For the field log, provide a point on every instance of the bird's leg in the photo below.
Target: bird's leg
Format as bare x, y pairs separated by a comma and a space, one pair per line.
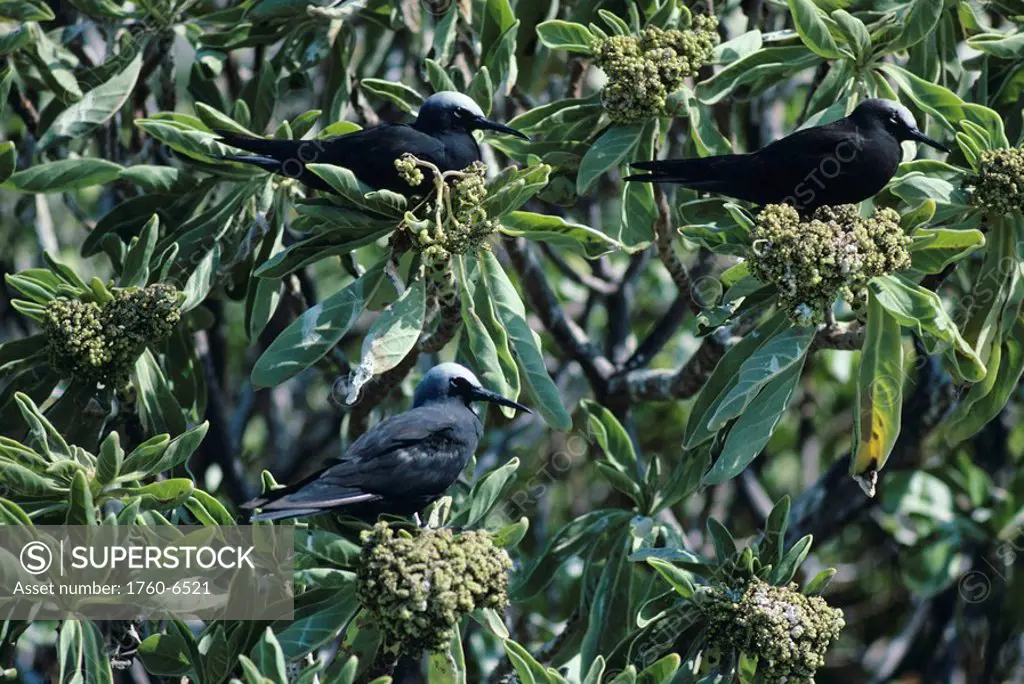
830, 320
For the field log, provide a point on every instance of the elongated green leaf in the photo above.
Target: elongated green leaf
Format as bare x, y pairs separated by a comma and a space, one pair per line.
566, 35
556, 230
407, 99
879, 394
810, 24
524, 343
82, 654
96, 106
395, 332
919, 22
751, 432
920, 309
486, 493
776, 355
607, 152
756, 72
63, 175
935, 248
316, 331
135, 272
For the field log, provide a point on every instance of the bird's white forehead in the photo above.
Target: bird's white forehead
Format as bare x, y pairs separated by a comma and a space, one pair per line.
449, 99
447, 371
889, 107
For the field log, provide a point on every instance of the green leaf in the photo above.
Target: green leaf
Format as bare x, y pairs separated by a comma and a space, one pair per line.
402, 96
771, 359
920, 309
25, 10
566, 35
45, 439
485, 494
879, 394
820, 581
268, 656
935, 248
1001, 45
556, 230
111, 456
790, 563
724, 378
755, 426
202, 280
612, 438
525, 346
165, 655
64, 175
607, 152
677, 577
501, 59
984, 400
8, 160
920, 21
158, 410
344, 182
661, 671
480, 344
526, 666
810, 24
395, 332
95, 108
304, 634
756, 72
82, 654
855, 32
135, 272
309, 337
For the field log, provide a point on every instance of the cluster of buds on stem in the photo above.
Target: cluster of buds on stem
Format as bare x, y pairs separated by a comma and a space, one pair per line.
644, 70
99, 343
418, 584
453, 220
998, 188
787, 631
835, 253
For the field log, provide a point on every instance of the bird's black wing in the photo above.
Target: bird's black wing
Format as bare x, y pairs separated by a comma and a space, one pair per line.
370, 154
416, 453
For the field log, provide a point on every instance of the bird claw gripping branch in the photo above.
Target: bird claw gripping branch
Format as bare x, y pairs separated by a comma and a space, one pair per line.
99, 343
644, 70
834, 253
418, 585
999, 186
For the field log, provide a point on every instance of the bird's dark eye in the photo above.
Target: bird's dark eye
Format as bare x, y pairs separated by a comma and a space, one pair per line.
894, 117
460, 384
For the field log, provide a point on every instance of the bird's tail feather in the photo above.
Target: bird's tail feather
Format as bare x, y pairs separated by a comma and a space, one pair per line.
695, 173
265, 163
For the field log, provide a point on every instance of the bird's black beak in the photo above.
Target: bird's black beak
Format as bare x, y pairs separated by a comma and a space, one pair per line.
917, 135
487, 125
481, 394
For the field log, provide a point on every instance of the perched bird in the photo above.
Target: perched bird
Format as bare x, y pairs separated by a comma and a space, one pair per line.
843, 162
403, 463
442, 135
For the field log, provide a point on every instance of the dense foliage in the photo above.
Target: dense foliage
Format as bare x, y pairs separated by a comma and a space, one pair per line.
765, 447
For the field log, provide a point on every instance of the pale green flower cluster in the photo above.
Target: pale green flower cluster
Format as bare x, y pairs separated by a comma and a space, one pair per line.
999, 186
788, 632
644, 70
417, 586
834, 253
100, 344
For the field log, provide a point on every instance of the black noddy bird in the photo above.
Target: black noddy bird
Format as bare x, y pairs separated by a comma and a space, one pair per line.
844, 162
403, 463
442, 135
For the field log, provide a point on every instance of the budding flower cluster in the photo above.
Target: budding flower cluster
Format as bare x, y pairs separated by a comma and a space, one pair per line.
100, 344
644, 70
408, 171
455, 221
417, 586
835, 253
999, 186
787, 631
